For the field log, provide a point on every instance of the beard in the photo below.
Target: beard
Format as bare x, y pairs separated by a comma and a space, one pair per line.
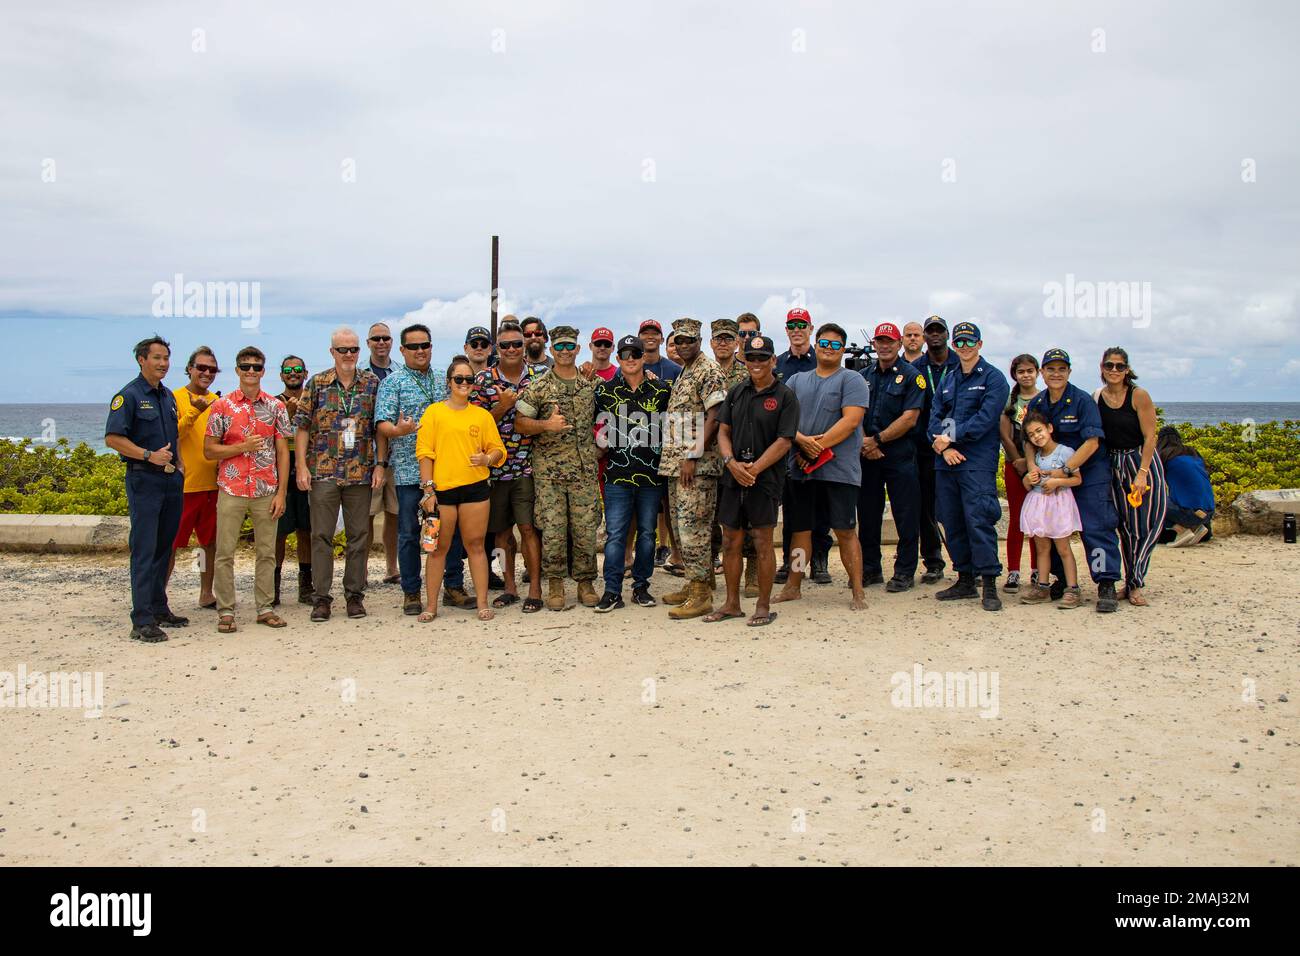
534, 352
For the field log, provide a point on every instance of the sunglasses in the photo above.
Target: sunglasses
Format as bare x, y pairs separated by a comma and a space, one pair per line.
748, 333
685, 340
796, 325
418, 346
565, 346
534, 335
250, 366
602, 344
463, 379
510, 345
381, 338
292, 369
347, 349
756, 357
833, 344
965, 343
479, 343
209, 369
629, 356
1114, 366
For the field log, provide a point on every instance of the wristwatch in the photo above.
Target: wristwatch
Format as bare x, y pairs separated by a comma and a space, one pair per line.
1069, 472
727, 460
381, 464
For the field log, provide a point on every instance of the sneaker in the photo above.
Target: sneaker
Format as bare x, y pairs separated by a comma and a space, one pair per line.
661, 557
149, 634
872, 577
321, 610
1071, 598
964, 588
1036, 594
609, 601
932, 575
641, 598
1013, 582
1057, 589
355, 607
1033, 578
1190, 536
1107, 602
171, 620
897, 583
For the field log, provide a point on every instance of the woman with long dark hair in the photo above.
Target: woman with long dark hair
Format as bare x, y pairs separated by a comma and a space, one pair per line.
1191, 496
1128, 416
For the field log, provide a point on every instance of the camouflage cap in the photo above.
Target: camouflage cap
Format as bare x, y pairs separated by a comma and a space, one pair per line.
687, 327
564, 333
725, 326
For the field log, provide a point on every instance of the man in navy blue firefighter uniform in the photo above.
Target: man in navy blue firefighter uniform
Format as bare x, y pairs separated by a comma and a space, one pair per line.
889, 460
1076, 422
936, 363
964, 433
142, 428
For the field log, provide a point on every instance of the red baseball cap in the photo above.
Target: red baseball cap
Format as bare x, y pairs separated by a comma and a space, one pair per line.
651, 324
888, 330
602, 334
798, 315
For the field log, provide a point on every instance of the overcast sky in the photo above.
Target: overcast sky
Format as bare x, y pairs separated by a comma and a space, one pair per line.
877, 161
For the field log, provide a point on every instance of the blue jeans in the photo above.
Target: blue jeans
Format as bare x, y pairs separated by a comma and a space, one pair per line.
410, 556
621, 503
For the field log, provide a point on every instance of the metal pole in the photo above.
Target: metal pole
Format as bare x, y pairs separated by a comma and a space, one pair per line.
495, 251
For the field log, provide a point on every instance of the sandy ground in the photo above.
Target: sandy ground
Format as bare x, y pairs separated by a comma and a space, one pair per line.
576, 738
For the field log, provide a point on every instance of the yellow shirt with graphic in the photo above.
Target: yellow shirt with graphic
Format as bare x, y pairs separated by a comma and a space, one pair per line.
192, 424
449, 436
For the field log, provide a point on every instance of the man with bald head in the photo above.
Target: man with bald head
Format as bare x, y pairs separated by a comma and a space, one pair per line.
913, 343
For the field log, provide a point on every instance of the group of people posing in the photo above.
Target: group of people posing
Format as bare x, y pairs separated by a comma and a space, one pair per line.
699, 454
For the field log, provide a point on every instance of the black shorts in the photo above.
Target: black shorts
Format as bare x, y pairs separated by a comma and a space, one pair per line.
746, 508
810, 503
297, 509
466, 494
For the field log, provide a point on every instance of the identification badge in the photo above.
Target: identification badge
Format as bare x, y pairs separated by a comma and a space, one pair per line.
349, 433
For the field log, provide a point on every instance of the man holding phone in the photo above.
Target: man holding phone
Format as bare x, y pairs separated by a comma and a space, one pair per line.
825, 464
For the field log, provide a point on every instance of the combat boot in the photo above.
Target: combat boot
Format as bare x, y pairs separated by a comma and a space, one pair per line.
699, 602
964, 588
305, 589
751, 578
679, 596
587, 594
555, 594
990, 600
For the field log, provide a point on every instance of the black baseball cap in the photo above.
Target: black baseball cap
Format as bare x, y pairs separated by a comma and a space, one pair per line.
478, 332
933, 321
630, 343
760, 346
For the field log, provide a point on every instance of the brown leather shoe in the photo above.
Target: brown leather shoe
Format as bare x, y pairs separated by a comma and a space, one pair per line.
321, 610
458, 597
355, 607
411, 604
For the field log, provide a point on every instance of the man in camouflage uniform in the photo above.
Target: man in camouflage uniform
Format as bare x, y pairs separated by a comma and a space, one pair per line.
559, 408
726, 339
691, 464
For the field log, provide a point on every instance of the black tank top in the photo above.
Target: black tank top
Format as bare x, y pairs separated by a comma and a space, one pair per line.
1122, 427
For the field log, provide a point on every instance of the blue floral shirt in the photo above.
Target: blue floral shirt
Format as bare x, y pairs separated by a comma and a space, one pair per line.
407, 394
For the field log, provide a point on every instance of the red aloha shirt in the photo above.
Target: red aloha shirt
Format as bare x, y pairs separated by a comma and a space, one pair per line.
235, 417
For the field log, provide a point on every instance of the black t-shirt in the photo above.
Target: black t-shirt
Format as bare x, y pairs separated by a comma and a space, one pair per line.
757, 419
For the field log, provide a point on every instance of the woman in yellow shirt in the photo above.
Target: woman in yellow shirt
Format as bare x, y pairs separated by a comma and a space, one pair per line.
457, 446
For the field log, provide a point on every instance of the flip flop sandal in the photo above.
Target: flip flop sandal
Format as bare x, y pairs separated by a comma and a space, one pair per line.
485, 614
427, 616
226, 624
676, 570
716, 616
504, 600
757, 621
209, 607
272, 620
532, 604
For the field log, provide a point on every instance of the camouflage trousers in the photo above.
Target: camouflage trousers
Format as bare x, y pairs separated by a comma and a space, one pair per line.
568, 511
691, 510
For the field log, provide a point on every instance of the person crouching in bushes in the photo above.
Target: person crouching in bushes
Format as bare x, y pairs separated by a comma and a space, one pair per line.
457, 445
1049, 514
1191, 496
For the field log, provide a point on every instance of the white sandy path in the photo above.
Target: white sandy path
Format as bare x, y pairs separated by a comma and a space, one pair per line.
538, 724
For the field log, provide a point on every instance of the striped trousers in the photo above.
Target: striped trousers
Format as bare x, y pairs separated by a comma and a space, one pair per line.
1139, 528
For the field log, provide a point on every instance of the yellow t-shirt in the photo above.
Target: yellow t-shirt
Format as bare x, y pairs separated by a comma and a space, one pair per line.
449, 437
200, 474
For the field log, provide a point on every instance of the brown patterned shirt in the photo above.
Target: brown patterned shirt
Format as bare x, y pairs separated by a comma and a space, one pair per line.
324, 410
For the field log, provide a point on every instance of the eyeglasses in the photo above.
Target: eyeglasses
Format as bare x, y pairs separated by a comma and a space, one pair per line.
792, 326
510, 345
833, 344
463, 379
565, 346
381, 338
250, 366
479, 343
209, 369
1115, 366
965, 343
724, 337
347, 349
602, 344
748, 333
534, 335
292, 369
418, 346
685, 340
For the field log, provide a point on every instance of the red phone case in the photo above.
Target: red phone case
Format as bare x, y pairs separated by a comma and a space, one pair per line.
822, 459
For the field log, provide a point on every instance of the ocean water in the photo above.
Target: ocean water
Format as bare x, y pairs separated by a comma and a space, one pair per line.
85, 423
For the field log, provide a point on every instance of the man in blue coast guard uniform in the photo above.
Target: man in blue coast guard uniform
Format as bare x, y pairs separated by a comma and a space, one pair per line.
964, 433
142, 428
1076, 423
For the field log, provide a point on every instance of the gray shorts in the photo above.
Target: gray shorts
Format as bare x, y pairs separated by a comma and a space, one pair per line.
512, 504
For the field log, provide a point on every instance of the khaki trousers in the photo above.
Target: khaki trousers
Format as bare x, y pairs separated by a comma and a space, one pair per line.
230, 518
